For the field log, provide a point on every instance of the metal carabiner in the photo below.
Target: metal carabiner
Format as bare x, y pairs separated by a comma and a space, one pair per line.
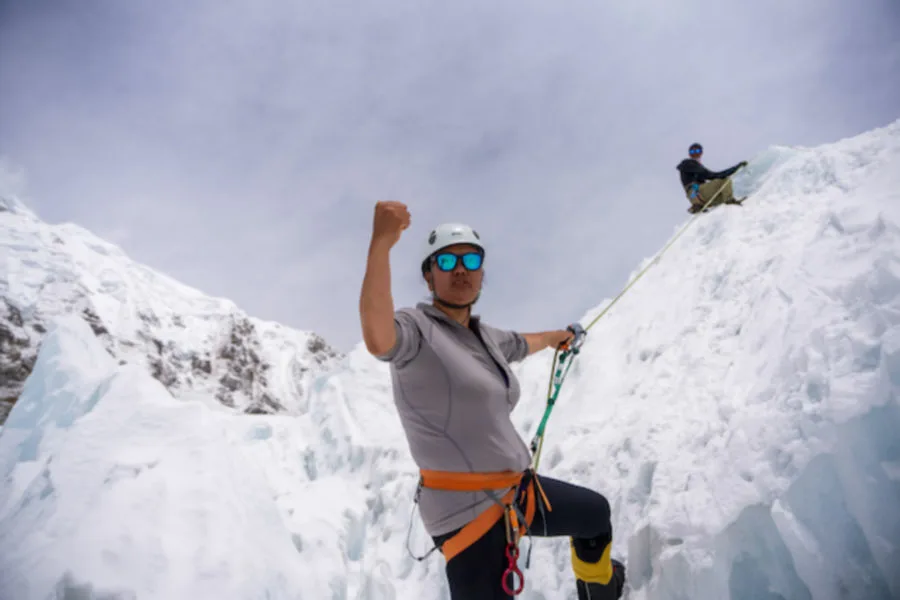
512, 553
578, 334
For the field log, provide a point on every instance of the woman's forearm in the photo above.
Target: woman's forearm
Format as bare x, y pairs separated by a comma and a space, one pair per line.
545, 339
376, 305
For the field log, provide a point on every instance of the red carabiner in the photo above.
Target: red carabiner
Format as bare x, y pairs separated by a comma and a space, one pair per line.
512, 553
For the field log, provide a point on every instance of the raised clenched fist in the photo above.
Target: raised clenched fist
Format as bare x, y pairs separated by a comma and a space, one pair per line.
391, 218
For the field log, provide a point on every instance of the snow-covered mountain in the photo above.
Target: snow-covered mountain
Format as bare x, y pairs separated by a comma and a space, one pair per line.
740, 408
197, 346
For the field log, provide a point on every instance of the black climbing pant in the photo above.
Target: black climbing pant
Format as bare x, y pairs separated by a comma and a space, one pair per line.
577, 512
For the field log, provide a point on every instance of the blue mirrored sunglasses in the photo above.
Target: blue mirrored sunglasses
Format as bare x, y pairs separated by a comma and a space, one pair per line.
696, 151
447, 261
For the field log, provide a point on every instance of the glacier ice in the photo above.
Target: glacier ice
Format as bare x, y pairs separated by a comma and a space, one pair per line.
739, 408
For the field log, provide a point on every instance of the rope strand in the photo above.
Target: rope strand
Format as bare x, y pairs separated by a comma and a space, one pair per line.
557, 378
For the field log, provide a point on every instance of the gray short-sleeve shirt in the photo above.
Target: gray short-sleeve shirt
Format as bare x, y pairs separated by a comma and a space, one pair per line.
454, 393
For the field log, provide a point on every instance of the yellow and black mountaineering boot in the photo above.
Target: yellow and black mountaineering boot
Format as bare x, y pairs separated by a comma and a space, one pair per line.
597, 576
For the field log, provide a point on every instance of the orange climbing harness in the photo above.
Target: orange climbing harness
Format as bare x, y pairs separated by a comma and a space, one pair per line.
524, 489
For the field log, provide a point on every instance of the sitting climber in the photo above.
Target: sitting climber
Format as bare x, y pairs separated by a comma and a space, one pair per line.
701, 185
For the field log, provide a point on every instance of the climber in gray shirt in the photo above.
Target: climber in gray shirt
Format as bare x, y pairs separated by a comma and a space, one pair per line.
454, 391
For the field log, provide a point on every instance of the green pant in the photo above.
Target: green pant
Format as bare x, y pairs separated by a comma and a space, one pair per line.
710, 188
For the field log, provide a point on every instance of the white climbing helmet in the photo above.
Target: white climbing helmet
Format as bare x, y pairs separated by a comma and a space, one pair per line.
446, 235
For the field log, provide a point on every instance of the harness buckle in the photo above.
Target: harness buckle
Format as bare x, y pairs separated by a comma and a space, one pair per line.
693, 191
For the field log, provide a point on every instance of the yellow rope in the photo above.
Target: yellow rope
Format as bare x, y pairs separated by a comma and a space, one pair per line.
538, 441
658, 256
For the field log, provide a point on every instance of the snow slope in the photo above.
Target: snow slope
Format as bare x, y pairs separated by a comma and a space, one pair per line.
739, 407
142, 493
198, 346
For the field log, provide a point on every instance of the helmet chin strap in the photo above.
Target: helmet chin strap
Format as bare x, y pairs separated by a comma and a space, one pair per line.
443, 302
457, 306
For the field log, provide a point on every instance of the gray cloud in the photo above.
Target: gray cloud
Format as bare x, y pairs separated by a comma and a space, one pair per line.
240, 147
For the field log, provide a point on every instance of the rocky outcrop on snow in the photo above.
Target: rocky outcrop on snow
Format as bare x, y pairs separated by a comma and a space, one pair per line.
195, 345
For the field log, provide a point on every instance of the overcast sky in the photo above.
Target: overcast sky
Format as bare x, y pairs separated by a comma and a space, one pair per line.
240, 146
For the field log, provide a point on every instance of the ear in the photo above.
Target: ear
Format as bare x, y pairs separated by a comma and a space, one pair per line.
427, 277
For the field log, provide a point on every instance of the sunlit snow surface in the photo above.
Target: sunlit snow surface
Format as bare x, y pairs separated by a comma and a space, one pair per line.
739, 407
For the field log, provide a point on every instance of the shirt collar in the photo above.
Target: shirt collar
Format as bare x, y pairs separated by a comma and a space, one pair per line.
433, 311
